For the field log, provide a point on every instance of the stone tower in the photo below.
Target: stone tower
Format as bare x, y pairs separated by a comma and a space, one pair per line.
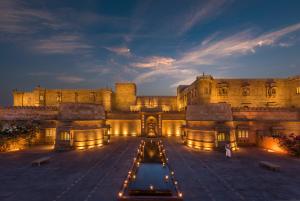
125, 96
204, 88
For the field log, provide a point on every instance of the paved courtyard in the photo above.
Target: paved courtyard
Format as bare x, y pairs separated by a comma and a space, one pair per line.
97, 174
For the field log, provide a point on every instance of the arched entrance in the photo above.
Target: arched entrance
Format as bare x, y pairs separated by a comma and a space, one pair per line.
151, 127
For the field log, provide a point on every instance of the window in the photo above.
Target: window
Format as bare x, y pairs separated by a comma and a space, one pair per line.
243, 134
206, 90
271, 91
276, 132
76, 97
50, 132
221, 137
65, 135
58, 97
245, 91
93, 96
41, 97
298, 90
223, 91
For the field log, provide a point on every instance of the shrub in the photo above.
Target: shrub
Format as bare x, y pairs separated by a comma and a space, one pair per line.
18, 132
290, 143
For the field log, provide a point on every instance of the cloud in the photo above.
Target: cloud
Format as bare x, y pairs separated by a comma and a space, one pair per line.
17, 18
154, 62
119, 50
69, 79
62, 44
101, 70
209, 53
202, 12
40, 74
58, 76
176, 73
241, 43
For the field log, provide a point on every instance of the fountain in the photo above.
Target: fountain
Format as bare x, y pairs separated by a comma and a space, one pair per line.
150, 178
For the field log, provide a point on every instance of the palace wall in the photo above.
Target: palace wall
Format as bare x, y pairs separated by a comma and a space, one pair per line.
166, 103
28, 113
241, 92
124, 123
122, 127
172, 127
54, 97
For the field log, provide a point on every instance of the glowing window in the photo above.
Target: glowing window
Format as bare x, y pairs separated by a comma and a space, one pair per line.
50, 132
58, 97
221, 137
65, 136
298, 90
243, 134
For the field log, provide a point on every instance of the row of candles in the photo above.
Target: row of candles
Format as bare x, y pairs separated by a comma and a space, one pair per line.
136, 163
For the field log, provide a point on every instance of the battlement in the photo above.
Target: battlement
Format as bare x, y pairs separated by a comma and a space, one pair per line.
43, 108
271, 109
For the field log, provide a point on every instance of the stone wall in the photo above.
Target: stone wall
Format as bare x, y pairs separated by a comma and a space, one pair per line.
28, 113
123, 127
53, 97
166, 103
172, 127
76, 111
270, 114
87, 138
125, 96
241, 92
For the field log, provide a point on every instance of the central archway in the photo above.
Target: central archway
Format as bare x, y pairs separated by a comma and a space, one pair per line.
151, 127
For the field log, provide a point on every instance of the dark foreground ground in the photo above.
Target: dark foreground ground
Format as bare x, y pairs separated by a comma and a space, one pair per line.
97, 174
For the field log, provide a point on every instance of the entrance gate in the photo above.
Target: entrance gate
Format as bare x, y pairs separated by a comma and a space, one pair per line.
151, 124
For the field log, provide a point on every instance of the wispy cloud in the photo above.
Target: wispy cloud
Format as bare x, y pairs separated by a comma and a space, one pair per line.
155, 62
17, 18
200, 13
241, 43
125, 51
62, 77
178, 74
209, 53
70, 79
62, 44
100, 70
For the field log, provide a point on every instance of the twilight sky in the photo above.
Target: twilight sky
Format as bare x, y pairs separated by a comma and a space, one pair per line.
157, 44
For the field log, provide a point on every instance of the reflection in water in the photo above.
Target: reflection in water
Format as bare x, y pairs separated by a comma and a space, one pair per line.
150, 175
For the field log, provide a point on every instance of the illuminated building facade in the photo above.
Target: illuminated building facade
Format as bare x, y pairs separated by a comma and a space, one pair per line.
206, 113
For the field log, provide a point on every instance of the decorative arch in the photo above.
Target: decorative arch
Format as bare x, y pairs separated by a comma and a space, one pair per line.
151, 126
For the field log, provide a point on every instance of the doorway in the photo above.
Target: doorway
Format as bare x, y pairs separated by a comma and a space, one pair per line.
151, 127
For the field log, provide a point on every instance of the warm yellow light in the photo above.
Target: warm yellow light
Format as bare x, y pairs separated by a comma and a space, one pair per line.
180, 194
14, 149
120, 194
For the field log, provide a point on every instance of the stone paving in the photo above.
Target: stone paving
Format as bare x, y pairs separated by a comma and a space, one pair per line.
206, 175
97, 174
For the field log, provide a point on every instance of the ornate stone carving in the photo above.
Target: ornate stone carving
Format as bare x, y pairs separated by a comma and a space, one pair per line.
223, 89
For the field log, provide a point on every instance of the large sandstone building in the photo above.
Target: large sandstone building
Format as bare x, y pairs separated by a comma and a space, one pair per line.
206, 113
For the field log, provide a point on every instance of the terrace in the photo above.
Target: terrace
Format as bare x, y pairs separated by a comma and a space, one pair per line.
96, 174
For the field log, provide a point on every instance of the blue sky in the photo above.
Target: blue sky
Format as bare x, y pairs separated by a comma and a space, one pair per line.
157, 44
